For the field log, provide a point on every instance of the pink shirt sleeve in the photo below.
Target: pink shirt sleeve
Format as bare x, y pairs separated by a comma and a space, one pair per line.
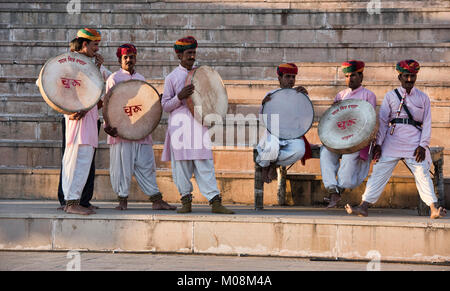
169, 100
426, 125
383, 116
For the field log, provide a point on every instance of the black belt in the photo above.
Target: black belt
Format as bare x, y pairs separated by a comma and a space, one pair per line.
406, 121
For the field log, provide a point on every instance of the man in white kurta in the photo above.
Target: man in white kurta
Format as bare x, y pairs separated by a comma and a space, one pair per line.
353, 168
274, 151
187, 144
128, 158
402, 137
81, 134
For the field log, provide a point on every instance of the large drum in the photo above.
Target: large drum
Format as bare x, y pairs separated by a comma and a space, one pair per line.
134, 108
209, 102
70, 82
288, 114
348, 126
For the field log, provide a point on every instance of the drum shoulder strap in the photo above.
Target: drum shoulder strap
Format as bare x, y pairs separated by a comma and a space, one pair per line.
416, 123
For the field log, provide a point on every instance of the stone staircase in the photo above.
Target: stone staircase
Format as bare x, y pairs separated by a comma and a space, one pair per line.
243, 40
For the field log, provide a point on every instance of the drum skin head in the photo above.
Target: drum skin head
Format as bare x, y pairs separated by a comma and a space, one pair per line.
70, 83
288, 114
348, 126
209, 102
134, 108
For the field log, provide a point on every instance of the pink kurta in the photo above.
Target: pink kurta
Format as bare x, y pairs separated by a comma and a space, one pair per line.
185, 136
84, 131
118, 77
360, 93
406, 138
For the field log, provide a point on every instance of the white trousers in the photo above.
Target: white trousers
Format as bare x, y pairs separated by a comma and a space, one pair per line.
130, 158
283, 152
382, 171
76, 165
204, 175
350, 171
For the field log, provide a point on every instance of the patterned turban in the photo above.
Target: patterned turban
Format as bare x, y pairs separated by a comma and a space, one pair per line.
352, 66
125, 49
188, 42
288, 68
408, 66
90, 34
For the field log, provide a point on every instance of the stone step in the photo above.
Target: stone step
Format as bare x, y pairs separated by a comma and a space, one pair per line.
47, 154
226, 4
252, 92
217, 17
420, 33
235, 187
240, 72
253, 52
299, 232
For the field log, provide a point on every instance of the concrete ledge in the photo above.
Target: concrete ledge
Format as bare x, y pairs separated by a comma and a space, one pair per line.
294, 232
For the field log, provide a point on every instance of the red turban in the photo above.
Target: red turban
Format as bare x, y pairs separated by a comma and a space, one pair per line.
126, 49
288, 68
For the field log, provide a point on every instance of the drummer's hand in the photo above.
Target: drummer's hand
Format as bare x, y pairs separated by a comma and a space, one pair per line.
266, 99
419, 153
186, 92
376, 152
77, 115
302, 89
112, 131
99, 60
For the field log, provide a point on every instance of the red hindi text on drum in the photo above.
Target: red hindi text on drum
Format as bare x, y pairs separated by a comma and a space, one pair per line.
66, 82
132, 108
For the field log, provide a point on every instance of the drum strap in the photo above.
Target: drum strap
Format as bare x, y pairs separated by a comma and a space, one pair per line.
410, 120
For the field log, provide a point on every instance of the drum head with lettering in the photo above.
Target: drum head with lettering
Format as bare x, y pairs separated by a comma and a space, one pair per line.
288, 114
348, 126
209, 102
134, 108
70, 82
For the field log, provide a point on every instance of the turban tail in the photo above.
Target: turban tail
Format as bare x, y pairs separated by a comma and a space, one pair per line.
353, 66
186, 43
288, 68
125, 49
408, 66
90, 34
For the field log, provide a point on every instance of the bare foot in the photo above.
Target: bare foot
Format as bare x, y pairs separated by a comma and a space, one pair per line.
62, 207
93, 207
162, 205
357, 210
437, 212
123, 205
77, 209
333, 201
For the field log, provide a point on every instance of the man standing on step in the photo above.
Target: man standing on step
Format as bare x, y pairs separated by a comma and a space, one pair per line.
81, 137
353, 168
184, 133
273, 152
129, 157
404, 133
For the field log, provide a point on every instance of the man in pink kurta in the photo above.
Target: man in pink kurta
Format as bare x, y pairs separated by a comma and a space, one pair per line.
402, 136
352, 168
127, 157
187, 144
81, 136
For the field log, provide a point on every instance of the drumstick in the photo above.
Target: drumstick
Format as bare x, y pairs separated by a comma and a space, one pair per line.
398, 112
